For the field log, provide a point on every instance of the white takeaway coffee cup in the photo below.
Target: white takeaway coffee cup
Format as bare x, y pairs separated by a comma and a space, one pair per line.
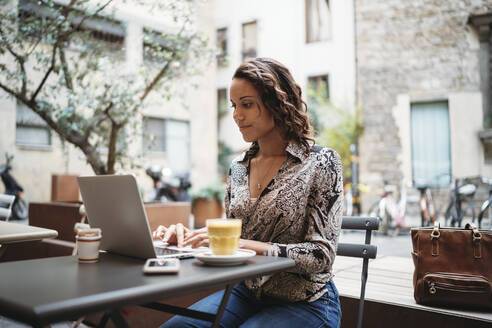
88, 247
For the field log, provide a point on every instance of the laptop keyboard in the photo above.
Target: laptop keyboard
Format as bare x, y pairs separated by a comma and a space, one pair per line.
162, 251
166, 251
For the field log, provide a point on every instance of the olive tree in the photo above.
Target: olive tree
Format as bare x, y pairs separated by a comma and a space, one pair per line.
51, 62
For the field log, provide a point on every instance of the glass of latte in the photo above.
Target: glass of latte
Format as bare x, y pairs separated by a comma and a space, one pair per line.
223, 235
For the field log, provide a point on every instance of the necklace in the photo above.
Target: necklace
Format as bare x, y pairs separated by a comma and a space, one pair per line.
262, 179
259, 184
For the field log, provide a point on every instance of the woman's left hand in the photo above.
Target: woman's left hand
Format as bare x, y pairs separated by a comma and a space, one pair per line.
199, 238
259, 247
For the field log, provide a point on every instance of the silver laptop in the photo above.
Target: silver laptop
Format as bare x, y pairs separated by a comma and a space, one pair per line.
113, 204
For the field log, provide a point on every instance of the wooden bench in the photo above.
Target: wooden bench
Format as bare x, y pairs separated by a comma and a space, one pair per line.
389, 298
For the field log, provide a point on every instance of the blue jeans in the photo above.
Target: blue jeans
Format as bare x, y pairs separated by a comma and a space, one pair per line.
243, 310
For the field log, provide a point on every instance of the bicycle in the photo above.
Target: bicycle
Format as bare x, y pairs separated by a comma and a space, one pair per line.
485, 211
427, 207
460, 195
390, 211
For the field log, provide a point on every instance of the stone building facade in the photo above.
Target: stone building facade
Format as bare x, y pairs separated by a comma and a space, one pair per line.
411, 54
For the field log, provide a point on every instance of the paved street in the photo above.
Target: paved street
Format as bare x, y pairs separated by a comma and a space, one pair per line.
400, 245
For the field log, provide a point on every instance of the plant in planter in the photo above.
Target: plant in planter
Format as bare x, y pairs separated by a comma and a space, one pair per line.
206, 203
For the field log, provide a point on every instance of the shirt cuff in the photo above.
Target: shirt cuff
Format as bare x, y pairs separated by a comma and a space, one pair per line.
277, 250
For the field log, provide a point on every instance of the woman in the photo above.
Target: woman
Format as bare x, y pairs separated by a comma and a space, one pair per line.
289, 195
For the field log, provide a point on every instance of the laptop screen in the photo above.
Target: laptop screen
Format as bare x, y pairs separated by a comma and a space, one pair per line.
114, 205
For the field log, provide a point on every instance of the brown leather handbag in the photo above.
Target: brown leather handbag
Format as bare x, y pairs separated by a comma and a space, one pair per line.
453, 266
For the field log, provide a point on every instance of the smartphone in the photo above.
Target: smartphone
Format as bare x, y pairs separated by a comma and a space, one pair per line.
156, 266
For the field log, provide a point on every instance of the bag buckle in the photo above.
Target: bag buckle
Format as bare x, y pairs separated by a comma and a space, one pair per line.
435, 234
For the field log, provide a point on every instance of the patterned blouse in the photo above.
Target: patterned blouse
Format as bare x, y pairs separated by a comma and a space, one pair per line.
299, 213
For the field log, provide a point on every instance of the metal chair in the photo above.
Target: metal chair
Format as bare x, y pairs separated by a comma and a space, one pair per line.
365, 251
6, 202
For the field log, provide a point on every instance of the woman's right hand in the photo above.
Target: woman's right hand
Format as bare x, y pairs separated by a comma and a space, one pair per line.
174, 234
177, 234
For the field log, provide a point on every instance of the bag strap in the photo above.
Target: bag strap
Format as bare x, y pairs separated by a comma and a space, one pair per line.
477, 237
471, 226
435, 234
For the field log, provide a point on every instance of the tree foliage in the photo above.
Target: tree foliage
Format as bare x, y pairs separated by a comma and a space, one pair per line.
53, 62
335, 128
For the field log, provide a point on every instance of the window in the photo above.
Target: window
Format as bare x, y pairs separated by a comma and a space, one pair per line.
154, 139
112, 42
155, 46
31, 130
178, 146
431, 149
318, 96
320, 86
481, 22
318, 20
221, 47
100, 30
221, 103
171, 137
225, 151
249, 40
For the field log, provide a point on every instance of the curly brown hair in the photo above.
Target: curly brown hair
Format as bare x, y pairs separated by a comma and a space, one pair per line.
281, 96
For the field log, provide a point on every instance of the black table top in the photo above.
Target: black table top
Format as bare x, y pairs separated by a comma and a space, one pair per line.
49, 290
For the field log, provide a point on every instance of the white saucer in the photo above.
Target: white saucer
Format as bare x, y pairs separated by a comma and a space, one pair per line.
240, 257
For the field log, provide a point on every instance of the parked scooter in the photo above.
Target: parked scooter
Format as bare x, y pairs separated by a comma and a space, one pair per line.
169, 187
19, 208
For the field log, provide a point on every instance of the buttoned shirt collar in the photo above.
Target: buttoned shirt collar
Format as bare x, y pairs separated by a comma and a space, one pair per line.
293, 148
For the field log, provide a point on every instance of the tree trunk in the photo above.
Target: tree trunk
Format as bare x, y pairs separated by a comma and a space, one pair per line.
113, 138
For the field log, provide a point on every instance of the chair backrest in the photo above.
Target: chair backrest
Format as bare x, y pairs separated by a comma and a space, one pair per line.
365, 251
6, 202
